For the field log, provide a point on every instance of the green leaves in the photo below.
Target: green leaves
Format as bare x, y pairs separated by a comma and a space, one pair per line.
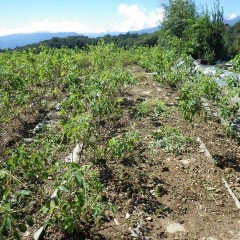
123, 144
190, 101
171, 140
77, 198
29, 220
147, 108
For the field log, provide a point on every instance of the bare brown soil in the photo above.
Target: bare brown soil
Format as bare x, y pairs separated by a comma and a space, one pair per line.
159, 195
155, 192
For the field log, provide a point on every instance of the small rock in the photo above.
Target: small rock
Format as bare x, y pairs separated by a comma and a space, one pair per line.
171, 104
26, 234
210, 188
175, 227
146, 92
37, 235
218, 190
165, 169
127, 216
58, 106
208, 238
149, 219
185, 162
227, 170
28, 140
238, 180
116, 221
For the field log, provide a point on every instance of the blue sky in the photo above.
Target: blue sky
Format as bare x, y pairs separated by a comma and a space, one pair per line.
88, 15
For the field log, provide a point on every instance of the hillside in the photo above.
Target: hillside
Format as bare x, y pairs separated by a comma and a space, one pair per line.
123, 149
19, 40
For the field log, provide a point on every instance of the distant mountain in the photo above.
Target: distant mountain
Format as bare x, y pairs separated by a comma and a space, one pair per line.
232, 21
21, 39
148, 31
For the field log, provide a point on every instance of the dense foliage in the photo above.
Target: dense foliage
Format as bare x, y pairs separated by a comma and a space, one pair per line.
127, 41
203, 31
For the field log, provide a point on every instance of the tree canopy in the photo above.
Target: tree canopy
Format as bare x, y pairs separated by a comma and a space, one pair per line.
202, 30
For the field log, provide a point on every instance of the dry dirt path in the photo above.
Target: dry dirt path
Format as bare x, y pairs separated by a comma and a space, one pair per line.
167, 196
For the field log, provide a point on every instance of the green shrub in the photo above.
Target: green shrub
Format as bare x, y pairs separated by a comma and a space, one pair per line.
123, 144
170, 140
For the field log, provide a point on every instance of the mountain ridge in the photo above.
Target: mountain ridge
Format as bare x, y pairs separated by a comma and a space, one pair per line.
21, 39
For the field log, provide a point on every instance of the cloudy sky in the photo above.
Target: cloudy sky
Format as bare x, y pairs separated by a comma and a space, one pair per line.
26, 16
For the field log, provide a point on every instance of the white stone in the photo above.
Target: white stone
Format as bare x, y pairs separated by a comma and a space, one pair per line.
185, 162
74, 156
146, 92
175, 227
38, 234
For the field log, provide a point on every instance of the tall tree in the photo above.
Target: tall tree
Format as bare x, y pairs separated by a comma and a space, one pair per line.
179, 15
203, 31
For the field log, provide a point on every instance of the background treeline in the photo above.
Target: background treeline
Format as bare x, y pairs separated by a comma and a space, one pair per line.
123, 40
196, 30
200, 31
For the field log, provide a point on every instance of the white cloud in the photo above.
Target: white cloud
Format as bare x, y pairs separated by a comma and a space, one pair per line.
47, 26
233, 16
134, 16
137, 18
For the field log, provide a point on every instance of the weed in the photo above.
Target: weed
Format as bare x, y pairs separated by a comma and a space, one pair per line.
170, 140
124, 144
148, 107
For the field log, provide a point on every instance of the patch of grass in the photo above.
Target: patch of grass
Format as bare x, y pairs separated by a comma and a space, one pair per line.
170, 140
159, 107
148, 107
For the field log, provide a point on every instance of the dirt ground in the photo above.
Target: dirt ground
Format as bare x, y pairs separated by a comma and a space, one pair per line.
166, 196
160, 195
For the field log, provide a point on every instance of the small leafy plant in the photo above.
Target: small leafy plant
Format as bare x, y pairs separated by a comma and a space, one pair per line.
190, 102
148, 107
159, 107
143, 109
228, 113
170, 140
77, 203
123, 144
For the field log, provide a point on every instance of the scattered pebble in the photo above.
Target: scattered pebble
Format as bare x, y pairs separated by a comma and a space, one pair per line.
37, 235
185, 162
208, 238
116, 222
165, 169
227, 170
146, 92
175, 227
149, 219
218, 190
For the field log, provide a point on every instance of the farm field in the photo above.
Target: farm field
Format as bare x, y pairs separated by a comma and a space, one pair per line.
107, 143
